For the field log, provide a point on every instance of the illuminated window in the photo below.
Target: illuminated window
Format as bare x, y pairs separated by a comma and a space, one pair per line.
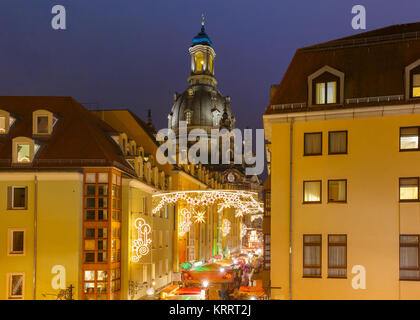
337, 190
326, 92
23, 152
337, 256
409, 189
337, 142
312, 144
312, 244
15, 286
409, 257
199, 62
409, 138
6, 122
312, 191
416, 86
16, 242
188, 116
211, 63
3, 128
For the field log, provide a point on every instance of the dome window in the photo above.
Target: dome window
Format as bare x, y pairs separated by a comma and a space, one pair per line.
216, 115
326, 86
188, 116
412, 80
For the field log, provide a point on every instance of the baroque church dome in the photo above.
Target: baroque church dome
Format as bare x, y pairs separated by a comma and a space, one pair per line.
201, 105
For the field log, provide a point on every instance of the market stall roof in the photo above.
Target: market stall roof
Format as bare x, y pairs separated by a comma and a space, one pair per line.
252, 291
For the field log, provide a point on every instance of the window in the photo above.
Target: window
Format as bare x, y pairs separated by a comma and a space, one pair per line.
23, 152
337, 256
312, 244
312, 144
3, 128
215, 114
415, 93
6, 122
409, 189
337, 190
267, 251
199, 62
409, 138
337, 142
312, 191
188, 116
42, 124
17, 198
16, 242
15, 285
267, 207
326, 92
409, 257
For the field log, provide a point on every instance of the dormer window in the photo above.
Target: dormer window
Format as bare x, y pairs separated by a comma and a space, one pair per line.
326, 86
415, 88
412, 80
43, 122
24, 150
6, 122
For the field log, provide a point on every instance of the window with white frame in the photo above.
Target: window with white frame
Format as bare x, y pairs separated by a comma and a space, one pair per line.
17, 198
409, 138
16, 242
15, 286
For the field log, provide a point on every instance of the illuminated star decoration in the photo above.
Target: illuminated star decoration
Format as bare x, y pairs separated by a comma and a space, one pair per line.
199, 217
140, 246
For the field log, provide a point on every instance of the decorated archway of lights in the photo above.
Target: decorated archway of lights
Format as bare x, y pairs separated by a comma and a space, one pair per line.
196, 202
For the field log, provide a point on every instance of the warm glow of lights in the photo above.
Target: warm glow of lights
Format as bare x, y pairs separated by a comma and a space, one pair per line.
243, 230
225, 227
199, 217
184, 225
205, 283
140, 246
244, 202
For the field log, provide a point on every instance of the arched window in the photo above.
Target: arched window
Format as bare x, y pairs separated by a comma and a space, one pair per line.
6, 122
43, 122
199, 62
24, 150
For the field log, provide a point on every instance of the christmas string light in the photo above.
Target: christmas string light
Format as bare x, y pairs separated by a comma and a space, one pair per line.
140, 246
244, 202
225, 227
184, 225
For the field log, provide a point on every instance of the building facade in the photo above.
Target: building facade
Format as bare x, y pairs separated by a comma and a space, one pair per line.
343, 148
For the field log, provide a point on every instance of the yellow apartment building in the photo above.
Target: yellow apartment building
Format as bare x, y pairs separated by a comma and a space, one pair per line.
343, 150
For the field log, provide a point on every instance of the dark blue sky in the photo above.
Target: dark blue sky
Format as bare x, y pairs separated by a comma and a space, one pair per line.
134, 53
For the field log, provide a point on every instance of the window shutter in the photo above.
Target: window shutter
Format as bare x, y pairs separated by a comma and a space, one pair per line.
26, 198
9, 198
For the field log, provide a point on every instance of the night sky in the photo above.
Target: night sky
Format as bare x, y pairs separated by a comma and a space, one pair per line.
134, 53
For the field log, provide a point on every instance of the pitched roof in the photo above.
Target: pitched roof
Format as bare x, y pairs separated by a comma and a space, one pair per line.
373, 63
79, 138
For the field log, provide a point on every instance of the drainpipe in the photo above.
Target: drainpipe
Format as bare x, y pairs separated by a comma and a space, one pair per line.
35, 234
290, 208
